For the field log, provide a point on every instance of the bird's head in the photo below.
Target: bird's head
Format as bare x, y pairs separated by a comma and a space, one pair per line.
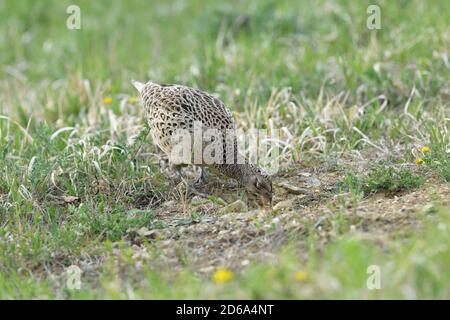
258, 186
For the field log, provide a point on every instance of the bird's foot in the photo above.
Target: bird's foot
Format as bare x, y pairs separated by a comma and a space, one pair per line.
193, 191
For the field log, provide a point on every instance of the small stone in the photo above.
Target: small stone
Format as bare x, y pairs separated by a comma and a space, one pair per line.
70, 199
143, 231
208, 269
293, 189
305, 174
313, 182
284, 204
149, 234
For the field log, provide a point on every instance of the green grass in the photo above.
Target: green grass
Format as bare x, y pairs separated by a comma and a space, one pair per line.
382, 178
417, 270
78, 175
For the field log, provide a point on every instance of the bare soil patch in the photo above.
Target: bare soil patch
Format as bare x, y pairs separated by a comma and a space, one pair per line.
194, 233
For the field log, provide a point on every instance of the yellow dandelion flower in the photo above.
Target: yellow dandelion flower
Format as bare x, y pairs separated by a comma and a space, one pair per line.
223, 275
107, 100
133, 99
419, 161
301, 276
425, 149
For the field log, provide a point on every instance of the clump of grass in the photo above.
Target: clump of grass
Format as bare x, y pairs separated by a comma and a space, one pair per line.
438, 155
382, 178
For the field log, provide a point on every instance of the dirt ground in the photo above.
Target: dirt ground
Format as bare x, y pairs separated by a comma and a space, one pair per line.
205, 234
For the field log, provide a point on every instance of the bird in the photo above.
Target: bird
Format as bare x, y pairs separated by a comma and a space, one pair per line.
171, 108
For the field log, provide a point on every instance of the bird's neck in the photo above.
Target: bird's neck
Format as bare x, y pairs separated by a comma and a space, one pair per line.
240, 172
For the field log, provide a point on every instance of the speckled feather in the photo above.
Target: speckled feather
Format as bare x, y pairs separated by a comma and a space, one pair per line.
172, 107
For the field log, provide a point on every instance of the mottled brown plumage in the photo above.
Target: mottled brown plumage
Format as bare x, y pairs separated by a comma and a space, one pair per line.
172, 107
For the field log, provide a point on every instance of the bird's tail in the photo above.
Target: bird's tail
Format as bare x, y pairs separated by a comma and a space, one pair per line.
138, 85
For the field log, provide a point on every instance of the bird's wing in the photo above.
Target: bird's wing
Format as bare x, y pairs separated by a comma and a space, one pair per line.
204, 107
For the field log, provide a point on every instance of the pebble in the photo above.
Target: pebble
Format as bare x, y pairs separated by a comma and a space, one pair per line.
293, 189
284, 204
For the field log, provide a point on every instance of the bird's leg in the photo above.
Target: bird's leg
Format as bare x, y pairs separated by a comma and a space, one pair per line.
176, 170
200, 180
190, 188
164, 164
